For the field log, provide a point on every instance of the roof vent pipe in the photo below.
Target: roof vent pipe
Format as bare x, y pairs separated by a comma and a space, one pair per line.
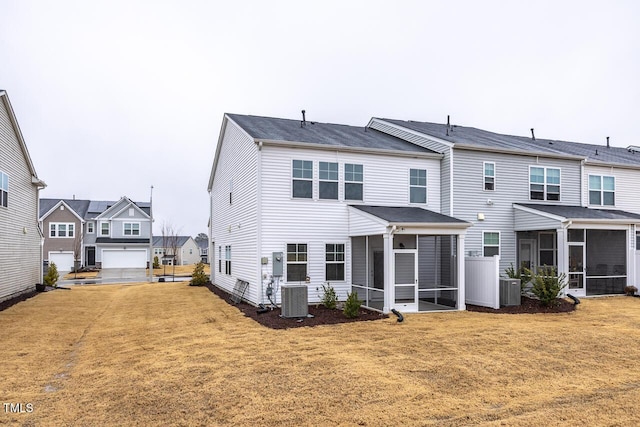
608, 143
533, 135
304, 119
448, 124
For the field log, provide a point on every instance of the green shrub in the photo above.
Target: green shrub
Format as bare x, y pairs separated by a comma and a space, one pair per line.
198, 278
524, 274
156, 262
352, 306
547, 285
329, 297
52, 276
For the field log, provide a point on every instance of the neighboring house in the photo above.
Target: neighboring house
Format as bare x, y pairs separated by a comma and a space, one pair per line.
203, 248
20, 234
537, 202
298, 202
186, 250
101, 234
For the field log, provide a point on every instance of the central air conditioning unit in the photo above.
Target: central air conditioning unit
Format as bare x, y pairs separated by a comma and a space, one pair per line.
509, 292
295, 301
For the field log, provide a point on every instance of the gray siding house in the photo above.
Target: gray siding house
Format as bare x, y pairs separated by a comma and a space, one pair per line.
20, 234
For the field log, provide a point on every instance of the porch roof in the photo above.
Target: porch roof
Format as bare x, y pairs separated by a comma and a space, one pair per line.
380, 217
565, 214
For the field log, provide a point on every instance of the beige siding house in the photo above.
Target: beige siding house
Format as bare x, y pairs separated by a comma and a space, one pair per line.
20, 234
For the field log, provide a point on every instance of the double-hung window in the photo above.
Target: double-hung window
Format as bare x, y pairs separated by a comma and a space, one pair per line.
353, 181
4, 189
90, 228
602, 190
490, 243
104, 229
334, 258
296, 262
227, 260
544, 183
489, 176
302, 175
328, 185
418, 186
131, 229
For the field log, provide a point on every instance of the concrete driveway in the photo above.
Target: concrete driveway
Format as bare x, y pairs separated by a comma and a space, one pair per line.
113, 275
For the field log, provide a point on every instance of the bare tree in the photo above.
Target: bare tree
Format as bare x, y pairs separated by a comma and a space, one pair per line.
77, 253
170, 246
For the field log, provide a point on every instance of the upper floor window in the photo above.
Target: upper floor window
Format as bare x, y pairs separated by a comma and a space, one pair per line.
90, 228
61, 229
602, 190
353, 179
490, 243
544, 183
328, 186
489, 176
638, 240
334, 257
302, 179
104, 229
4, 189
296, 262
418, 186
131, 228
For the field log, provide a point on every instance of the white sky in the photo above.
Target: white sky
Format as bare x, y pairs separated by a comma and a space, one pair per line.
115, 96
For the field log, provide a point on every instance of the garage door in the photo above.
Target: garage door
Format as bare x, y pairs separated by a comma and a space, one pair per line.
131, 258
63, 260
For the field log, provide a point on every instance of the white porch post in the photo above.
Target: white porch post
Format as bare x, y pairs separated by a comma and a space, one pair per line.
563, 254
461, 279
389, 271
632, 263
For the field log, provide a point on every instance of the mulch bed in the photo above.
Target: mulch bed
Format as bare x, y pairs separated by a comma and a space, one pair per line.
528, 306
321, 315
13, 301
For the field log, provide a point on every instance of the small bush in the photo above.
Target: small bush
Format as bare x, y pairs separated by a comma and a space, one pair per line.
52, 276
329, 297
352, 306
156, 262
198, 278
547, 285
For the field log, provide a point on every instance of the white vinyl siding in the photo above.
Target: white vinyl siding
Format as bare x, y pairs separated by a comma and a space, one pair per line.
489, 176
602, 190
625, 182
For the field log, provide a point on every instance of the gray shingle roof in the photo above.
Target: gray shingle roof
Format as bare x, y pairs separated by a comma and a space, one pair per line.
269, 128
86, 209
580, 212
485, 139
408, 215
158, 241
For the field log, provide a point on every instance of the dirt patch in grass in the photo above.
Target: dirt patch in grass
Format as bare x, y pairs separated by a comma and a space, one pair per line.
272, 318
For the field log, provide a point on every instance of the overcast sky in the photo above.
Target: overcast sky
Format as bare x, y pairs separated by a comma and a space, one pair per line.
115, 96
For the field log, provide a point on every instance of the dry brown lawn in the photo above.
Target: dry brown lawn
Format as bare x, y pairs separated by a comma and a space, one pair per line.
170, 354
82, 275
180, 270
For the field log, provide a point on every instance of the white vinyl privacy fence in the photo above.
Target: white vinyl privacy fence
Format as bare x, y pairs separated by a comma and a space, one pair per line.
482, 276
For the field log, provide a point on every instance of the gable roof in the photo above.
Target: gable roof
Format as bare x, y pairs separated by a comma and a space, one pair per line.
334, 135
77, 207
86, 209
182, 240
126, 203
14, 122
464, 136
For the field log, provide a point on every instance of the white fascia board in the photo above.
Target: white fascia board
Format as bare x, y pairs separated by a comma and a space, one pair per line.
539, 212
369, 216
412, 132
519, 152
432, 225
587, 221
361, 150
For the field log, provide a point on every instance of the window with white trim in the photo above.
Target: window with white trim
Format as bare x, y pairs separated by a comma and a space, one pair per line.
602, 190
131, 228
334, 262
490, 243
638, 240
328, 181
544, 183
489, 176
296, 262
302, 176
61, 229
219, 259
353, 182
227, 260
418, 186
4, 189
90, 227
104, 229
